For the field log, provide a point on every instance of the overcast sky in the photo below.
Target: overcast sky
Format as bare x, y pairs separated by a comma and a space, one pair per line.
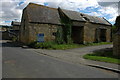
11, 10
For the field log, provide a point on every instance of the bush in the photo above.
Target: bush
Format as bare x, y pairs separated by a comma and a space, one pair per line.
43, 45
14, 39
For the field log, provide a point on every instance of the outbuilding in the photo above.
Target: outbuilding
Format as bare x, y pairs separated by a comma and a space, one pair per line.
42, 23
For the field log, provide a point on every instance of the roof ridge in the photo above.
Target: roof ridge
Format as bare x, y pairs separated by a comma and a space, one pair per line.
82, 13
41, 6
107, 20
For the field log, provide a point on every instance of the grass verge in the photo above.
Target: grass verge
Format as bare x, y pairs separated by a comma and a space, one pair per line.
104, 56
53, 45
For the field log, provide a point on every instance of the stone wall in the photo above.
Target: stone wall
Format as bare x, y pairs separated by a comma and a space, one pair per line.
90, 32
5, 35
24, 30
47, 29
116, 38
116, 44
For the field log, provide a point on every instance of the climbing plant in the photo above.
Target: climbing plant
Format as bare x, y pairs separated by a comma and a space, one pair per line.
59, 36
64, 33
67, 33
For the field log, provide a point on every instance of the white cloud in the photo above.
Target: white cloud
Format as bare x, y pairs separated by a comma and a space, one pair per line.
111, 10
108, 0
95, 14
73, 4
12, 10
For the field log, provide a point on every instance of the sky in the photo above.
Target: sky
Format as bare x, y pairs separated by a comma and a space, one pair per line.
11, 10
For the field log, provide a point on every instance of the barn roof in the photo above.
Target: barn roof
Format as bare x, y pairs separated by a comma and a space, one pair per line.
95, 19
73, 15
42, 14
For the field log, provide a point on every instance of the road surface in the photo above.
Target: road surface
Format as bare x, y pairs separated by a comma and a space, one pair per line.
22, 63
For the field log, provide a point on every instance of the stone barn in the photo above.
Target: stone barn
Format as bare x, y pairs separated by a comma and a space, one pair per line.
116, 40
86, 28
15, 30
38, 20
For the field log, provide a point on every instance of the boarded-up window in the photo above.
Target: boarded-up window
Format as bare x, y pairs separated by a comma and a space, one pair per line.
100, 35
103, 35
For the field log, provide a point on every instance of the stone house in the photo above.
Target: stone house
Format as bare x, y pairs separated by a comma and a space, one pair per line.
15, 25
4, 32
116, 40
15, 30
4, 27
39, 19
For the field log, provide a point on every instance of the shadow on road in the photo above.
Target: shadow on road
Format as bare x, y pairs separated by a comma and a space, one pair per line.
10, 44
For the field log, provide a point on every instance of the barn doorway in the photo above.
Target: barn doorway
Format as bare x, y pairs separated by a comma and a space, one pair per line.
77, 34
103, 35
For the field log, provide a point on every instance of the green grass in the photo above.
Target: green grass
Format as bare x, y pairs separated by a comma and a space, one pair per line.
104, 56
100, 43
66, 46
70, 46
53, 45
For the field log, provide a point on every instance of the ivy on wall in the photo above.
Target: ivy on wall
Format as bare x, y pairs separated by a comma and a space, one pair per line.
64, 33
67, 32
59, 36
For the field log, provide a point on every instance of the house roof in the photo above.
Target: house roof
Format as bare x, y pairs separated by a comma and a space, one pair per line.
15, 23
42, 14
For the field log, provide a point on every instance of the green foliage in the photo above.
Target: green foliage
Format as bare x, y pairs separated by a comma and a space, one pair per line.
32, 44
53, 45
14, 38
114, 29
105, 55
65, 46
59, 36
95, 44
103, 59
67, 33
64, 33
43, 45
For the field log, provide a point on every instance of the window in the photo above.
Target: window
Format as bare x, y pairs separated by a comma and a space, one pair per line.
54, 33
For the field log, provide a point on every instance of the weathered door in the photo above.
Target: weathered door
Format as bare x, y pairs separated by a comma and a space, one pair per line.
103, 35
77, 34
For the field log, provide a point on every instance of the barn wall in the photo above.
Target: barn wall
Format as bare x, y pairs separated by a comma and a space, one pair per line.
24, 31
47, 29
90, 32
76, 23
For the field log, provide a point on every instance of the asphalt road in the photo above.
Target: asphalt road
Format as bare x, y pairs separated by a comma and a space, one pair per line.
22, 63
